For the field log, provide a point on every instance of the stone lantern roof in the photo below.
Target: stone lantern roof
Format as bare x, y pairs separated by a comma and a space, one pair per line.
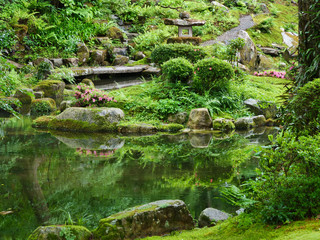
184, 25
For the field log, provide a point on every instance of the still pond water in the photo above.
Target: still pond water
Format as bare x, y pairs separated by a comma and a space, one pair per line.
57, 178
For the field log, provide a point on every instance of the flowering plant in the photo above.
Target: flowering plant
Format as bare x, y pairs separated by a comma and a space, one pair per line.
89, 96
270, 74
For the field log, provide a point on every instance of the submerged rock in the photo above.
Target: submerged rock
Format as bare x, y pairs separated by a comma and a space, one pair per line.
200, 119
200, 140
79, 119
244, 123
210, 216
156, 218
60, 233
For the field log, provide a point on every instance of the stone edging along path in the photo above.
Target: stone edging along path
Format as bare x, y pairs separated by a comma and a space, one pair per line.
246, 22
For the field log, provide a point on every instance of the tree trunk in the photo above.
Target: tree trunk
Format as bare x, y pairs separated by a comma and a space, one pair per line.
309, 32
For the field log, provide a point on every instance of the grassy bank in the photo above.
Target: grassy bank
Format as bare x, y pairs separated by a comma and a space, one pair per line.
238, 229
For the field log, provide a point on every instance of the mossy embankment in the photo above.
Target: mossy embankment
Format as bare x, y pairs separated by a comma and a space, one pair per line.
241, 228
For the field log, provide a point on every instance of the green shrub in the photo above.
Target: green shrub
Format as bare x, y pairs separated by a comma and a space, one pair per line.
178, 69
212, 73
266, 25
165, 52
288, 186
303, 111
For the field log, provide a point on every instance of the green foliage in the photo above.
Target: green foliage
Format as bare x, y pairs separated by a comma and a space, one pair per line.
165, 52
212, 74
288, 185
177, 69
303, 111
42, 107
63, 74
9, 78
234, 46
43, 70
7, 38
265, 25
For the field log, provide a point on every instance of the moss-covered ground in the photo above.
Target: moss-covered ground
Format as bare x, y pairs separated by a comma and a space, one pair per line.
238, 229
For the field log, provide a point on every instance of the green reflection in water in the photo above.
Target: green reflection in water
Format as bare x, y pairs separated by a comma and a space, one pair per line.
62, 178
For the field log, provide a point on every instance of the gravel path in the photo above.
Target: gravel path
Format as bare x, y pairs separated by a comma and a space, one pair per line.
245, 23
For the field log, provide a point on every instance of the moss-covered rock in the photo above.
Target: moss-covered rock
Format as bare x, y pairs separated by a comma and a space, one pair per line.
223, 124
155, 218
244, 123
42, 106
115, 33
52, 89
77, 119
25, 96
88, 82
171, 127
136, 128
60, 233
42, 122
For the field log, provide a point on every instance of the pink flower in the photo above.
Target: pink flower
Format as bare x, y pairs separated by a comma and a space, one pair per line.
115, 100
198, 69
210, 69
100, 98
195, 50
194, 72
211, 180
93, 100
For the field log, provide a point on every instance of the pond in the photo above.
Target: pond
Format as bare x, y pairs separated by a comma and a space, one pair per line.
58, 178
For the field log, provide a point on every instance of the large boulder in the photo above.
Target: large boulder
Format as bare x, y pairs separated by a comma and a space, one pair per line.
270, 51
268, 109
115, 33
98, 57
210, 216
51, 89
60, 233
76, 119
248, 54
200, 119
120, 60
156, 218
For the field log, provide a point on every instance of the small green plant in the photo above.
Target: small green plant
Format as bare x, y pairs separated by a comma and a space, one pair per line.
43, 70
178, 69
266, 25
67, 234
212, 74
234, 46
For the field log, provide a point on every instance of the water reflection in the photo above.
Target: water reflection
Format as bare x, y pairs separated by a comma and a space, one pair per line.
59, 177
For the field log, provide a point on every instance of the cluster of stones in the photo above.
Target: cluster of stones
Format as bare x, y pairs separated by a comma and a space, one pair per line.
155, 218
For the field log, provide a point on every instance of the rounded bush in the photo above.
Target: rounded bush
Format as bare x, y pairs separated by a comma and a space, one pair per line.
165, 52
178, 69
304, 108
212, 73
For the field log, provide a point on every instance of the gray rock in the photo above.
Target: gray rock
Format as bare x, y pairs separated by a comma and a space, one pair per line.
65, 104
244, 123
270, 51
52, 89
200, 140
71, 62
248, 54
120, 51
57, 232
139, 56
180, 118
282, 65
268, 109
156, 218
290, 39
25, 96
57, 62
120, 60
40, 60
219, 5
98, 57
200, 119
280, 47
184, 15
259, 120
92, 115
266, 62
83, 53
210, 216
137, 128
39, 94
290, 54
264, 8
